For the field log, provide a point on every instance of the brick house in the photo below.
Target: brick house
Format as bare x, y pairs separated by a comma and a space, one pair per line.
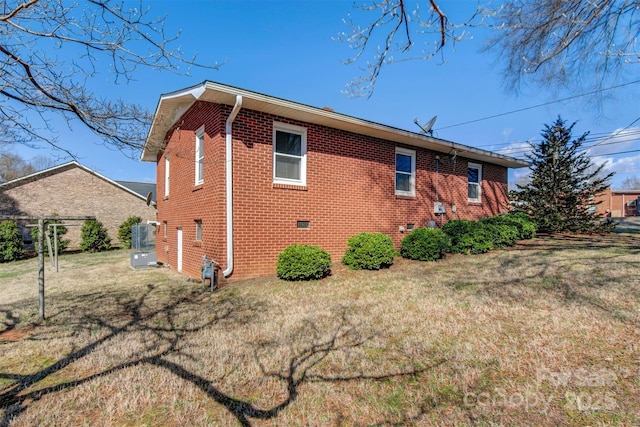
242, 175
72, 189
618, 203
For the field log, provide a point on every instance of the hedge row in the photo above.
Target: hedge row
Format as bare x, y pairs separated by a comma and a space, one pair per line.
468, 237
373, 251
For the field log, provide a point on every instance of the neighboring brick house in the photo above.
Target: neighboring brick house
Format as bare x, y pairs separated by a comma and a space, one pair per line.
618, 203
72, 189
299, 175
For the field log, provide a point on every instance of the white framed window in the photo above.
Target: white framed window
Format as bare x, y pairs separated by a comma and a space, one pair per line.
200, 156
289, 154
198, 229
474, 179
405, 172
164, 229
167, 163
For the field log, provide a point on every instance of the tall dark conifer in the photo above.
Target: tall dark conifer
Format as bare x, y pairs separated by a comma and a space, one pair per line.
564, 183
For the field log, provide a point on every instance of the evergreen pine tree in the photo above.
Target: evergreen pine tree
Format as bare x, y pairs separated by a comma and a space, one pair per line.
564, 183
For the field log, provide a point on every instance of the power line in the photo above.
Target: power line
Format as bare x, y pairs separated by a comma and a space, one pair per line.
590, 138
616, 134
601, 142
540, 105
519, 150
594, 155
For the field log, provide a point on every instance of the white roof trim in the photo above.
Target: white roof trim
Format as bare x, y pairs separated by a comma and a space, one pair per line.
172, 104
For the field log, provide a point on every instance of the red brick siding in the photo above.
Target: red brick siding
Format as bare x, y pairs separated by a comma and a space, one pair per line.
350, 189
187, 202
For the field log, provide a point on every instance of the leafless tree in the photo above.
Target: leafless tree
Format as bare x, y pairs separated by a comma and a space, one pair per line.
548, 42
52, 51
13, 166
631, 183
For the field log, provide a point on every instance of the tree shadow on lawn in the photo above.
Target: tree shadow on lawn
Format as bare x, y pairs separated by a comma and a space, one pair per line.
550, 276
161, 323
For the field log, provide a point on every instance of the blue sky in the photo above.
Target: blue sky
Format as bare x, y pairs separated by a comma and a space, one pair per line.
288, 49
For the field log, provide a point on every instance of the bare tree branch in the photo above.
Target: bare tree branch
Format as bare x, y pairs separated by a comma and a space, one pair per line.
553, 43
50, 52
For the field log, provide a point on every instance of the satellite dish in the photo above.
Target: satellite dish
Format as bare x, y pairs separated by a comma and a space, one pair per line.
148, 199
427, 127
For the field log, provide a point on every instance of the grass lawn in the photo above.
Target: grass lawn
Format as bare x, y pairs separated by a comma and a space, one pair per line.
544, 333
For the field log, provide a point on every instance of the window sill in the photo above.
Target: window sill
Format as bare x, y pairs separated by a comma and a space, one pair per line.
197, 187
405, 197
165, 198
290, 186
474, 202
197, 243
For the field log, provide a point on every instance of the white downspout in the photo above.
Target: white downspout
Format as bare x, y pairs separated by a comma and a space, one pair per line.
229, 183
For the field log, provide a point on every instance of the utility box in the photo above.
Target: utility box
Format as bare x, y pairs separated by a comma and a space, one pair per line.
143, 246
439, 208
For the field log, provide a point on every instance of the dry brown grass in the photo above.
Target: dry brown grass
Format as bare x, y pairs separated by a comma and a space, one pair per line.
546, 333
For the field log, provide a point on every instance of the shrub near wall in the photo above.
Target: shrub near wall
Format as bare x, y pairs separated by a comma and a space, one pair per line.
94, 237
369, 251
501, 233
303, 262
124, 231
467, 237
11, 246
526, 226
425, 244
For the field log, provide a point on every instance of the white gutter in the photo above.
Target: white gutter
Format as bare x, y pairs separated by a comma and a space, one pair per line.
229, 183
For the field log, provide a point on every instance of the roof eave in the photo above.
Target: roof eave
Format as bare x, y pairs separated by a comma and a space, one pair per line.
173, 105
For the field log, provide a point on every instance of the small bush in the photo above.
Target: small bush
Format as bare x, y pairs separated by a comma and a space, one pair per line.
11, 246
468, 237
303, 262
94, 237
425, 244
124, 231
61, 231
525, 226
501, 234
369, 251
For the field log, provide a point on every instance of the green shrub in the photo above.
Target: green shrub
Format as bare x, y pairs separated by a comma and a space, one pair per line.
303, 262
11, 246
468, 237
61, 230
94, 237
369, 251
425, 244
124, 231
501, 234
527, 227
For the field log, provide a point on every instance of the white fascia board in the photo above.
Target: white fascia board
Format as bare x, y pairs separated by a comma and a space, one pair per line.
223, 94
170, 108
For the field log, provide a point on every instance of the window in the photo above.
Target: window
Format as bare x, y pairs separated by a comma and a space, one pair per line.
166, 174
198, 229
405, 172
200, 156
164, 229
474, 175
289, 154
